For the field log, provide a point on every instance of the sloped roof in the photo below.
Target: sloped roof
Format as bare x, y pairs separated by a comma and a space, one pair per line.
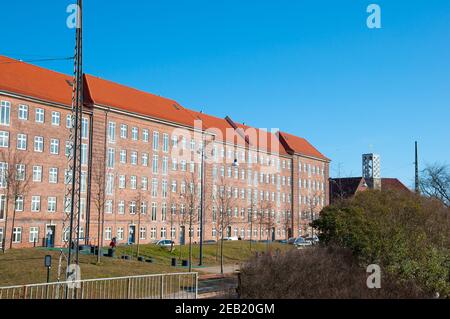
107, 93
345, 187
299, 145
33, 81
393, 184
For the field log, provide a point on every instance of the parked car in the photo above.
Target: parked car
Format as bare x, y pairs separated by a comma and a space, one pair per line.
291, 240
231, 238
302, 242
165, 243
313, 240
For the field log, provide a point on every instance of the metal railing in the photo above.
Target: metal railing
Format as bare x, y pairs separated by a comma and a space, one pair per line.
162, 286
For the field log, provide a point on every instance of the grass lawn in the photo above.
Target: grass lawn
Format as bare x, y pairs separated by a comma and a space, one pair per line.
26, 266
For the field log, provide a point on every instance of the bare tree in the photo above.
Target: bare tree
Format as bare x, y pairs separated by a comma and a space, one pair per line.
98, 184
190, 199
435, 183
141, 203
224, 201
252, 208
16, 182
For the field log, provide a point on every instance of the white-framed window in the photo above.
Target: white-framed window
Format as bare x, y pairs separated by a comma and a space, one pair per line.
132, 207
56, 118
40, 116
145, 135
144, 208
19, 203
163, 232
154, 211
17, 235
5, 113
111, 157
164, 189
2, 207
174, 141
83, 182
164, 212
112, 132
165, 165
174, 164
154, 187
121, 207
165, 143
144, 159
123, 156
109, 206
120, 233
38, 144
4, 139
23, 112
20, 172
122, 181
53, 175
34, 234
155, 164
133, 182
37, 174
84, 154
69, 121
156, 140
84, 128
109, 184
153, 233
51, 201
36, 204
143, 233
123, 131
22, 142
54, 146
144, 183
108, 233
134, 133
134, 158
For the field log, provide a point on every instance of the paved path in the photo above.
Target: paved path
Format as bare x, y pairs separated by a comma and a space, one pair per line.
227, 269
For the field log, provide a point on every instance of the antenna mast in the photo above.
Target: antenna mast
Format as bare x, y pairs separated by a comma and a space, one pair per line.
71, 223
416, 164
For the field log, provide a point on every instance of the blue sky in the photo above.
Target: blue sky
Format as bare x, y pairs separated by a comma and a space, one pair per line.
309, 67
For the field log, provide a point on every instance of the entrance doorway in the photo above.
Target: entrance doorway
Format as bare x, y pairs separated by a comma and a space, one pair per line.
50, 236
182, 235
132, 235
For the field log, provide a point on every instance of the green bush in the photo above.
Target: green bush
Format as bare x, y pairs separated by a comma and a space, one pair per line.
406, 234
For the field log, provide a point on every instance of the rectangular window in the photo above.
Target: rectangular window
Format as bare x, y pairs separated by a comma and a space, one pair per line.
40, 116
121, 207
123, 131
109, 184
133, 182
51, 205
108, 233
36, 204
54, 146
34, 234
17, 235
165, 165
84, 128
144, 159
112, 131
20, 172
122, 181
5, 113
120, 233
154, 187
37, 174
4, 139
53, 175
123, 156
38, 144
109, 207
154, 211
23, 112
132, 207
19, 203
155, 164
84, 154
134, 133
2, 207
156, 140
69, 121
142, 232
165, 143
145, 135
111, 158
56, 118
22, 142
134, 157
144, 183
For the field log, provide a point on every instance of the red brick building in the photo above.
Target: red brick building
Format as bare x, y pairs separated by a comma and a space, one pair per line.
154, 152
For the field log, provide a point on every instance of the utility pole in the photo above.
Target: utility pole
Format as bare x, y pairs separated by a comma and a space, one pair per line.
416, 164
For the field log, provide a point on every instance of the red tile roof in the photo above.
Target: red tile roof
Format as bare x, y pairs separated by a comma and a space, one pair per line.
299, 145
107, 93
393, 184
33, 81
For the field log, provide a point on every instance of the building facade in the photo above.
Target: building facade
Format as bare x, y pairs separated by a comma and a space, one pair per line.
150, 167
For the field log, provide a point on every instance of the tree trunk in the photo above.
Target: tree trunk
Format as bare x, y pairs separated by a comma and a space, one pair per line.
6, 223
12, 227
